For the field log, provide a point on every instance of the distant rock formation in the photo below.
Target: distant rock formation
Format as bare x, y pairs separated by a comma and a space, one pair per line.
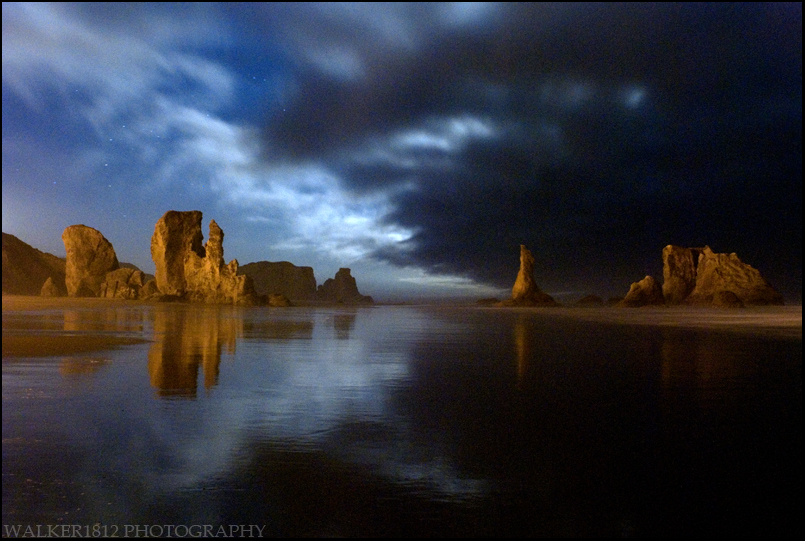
342, 289
26, 269
646, 292
125, 283
525, 291
89, 257
701, 276
278, 300
185, 268
284, 278
590, 300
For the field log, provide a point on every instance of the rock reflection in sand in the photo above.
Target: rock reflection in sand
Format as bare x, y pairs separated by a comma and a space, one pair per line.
394, 420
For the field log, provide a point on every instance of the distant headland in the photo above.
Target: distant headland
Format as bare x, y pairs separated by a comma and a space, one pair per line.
187, 270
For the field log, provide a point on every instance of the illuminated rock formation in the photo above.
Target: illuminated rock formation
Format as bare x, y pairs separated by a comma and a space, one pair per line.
678, 272
525, 291
646, 292
284, 278
89, 257
701, 276
342, 289
26, 269
185, 268
50, 289
123, 283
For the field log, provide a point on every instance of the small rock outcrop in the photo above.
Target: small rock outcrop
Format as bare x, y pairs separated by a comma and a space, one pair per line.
89, 258
278, 300
646, 292
50, 289
590, 300
26, 269
185, 268
284, 278
125, 283
701, 276
525, 291
342, 289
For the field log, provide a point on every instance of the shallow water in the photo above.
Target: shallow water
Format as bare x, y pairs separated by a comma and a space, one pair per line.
406, 420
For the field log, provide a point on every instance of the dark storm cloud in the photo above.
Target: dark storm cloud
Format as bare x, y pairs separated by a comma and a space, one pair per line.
435, 137
595, 134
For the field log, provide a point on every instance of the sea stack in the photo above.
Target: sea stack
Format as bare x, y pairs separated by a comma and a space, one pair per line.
89, 257
283, 278
186, 269
525, 291
342, 289
703, 277
646, 292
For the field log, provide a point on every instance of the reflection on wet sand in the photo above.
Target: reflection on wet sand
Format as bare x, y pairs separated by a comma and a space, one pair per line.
81, 366
343, 325
522, 347
186, 340
704, 361
113, 319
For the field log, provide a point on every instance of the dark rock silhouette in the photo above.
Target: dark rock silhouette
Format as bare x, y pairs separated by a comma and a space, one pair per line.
278, 300
342, 289
284, 278
124, 283
89, 257
185, 268
26, 269
590, 300
701, 276
727, 299
646, 292
525, 291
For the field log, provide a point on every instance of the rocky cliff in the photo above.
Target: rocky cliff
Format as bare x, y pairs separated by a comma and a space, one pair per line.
525, 291
26, 269
342, 289
185, 268
701, 276
646, 292
283, 278
89, 257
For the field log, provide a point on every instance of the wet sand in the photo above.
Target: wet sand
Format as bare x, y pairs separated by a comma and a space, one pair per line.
36, 337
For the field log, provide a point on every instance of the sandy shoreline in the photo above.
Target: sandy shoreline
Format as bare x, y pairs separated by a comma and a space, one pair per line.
39, 338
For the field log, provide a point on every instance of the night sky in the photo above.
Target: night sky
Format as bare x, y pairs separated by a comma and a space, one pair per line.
418, 144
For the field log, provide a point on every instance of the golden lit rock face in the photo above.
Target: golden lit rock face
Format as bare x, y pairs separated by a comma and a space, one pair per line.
718, 273
185, 268
678, 272
646, 292
525, 291
89, 257
176, 235
525, 286
701, 276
